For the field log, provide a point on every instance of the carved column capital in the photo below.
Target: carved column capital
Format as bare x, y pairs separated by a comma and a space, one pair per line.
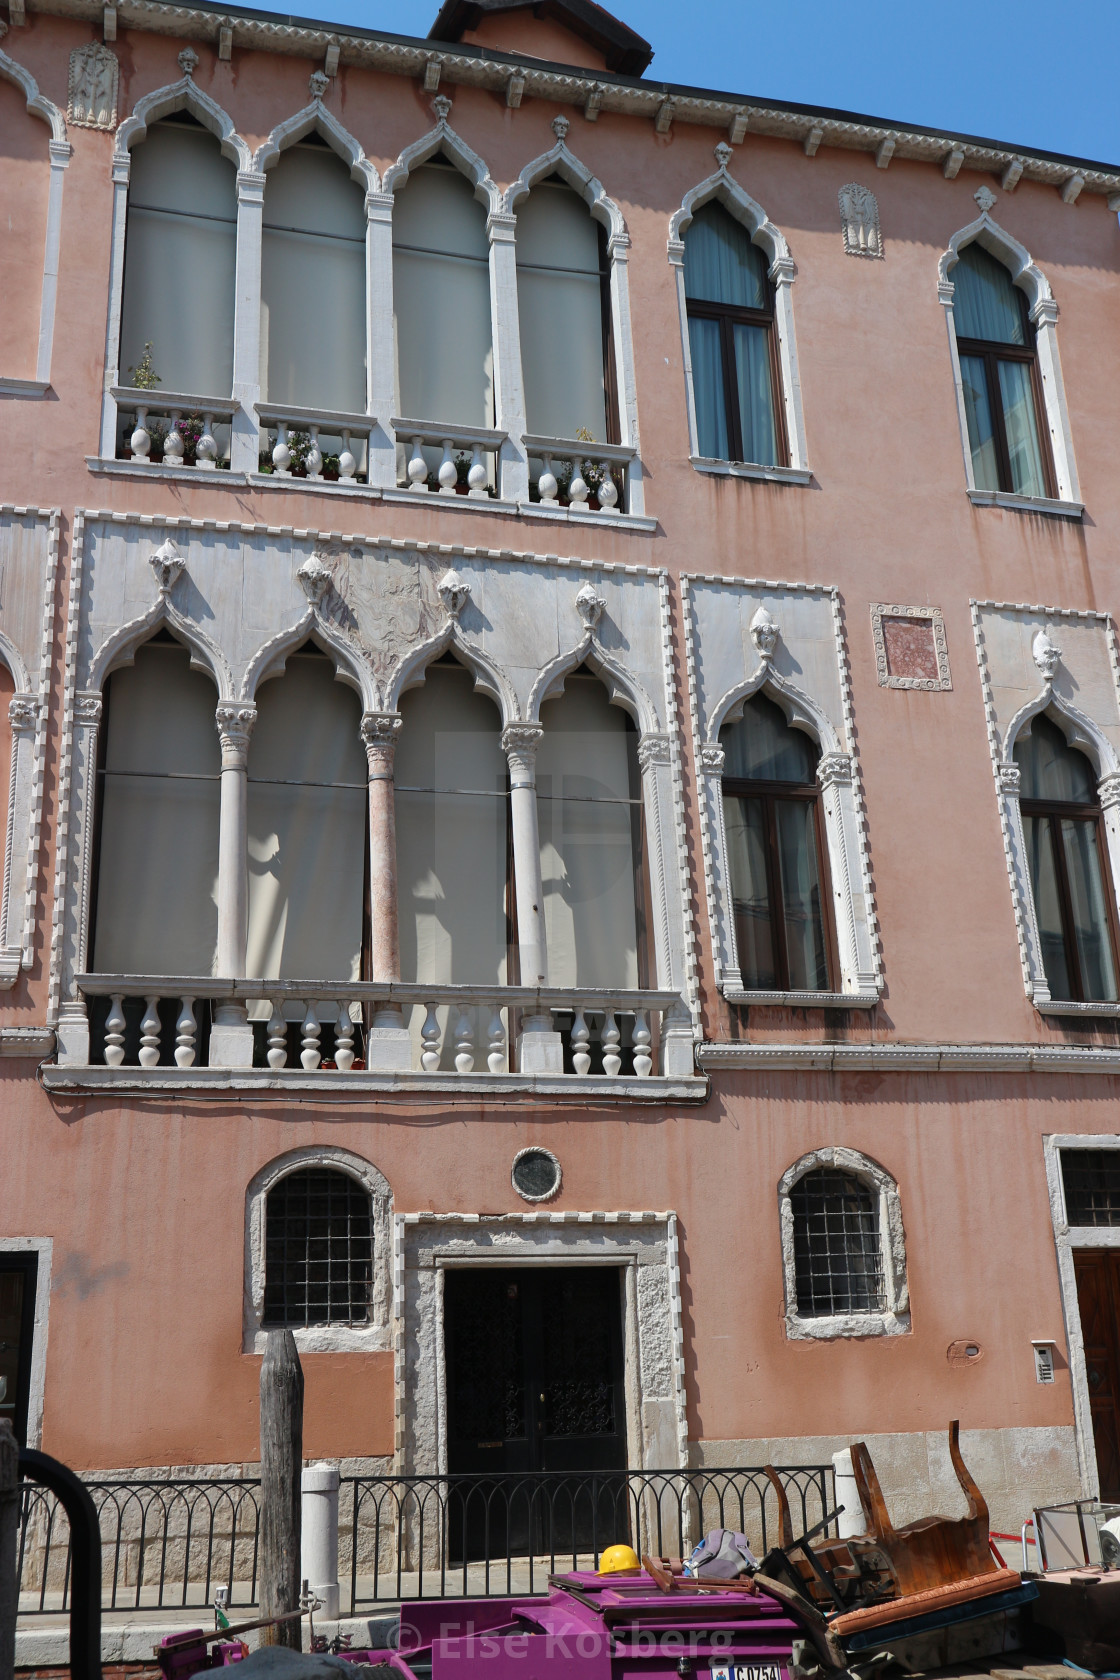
379, 733
653, 749
87, 710
519, 743
235, 725
835, 770
1010, 780
712, 760
1108, 790
23, 714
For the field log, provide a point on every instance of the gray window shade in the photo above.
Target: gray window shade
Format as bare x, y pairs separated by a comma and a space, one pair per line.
986, 302
180, 257
308, 783
313, 283
560, 305
441, 300
588, 803
158, 870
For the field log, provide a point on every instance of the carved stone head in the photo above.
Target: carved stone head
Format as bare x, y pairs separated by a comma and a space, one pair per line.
454, 592
316, 578
168, 564
985, 198
441, 105
590, 605
764, 633
1046, 655
188, 61
560, 127
724, 154
318, 82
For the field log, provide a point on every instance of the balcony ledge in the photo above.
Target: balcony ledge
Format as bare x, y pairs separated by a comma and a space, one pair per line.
1048, 505
161, 1081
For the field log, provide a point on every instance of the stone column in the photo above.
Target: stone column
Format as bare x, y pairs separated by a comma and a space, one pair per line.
539, 1049
388, 1041
509, 391
245, 438
231, 1037
380, 360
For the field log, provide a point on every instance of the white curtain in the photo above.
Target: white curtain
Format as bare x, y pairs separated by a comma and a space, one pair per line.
180, 256
441, 300
588, 800
313, 283
157, 881
560, 304
308, 797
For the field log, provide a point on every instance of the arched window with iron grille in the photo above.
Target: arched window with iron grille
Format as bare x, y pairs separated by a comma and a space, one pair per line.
318, 1250
838, 1254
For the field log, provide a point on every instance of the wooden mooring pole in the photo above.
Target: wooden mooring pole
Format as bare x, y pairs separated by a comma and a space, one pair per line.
281, 1469
9, 1523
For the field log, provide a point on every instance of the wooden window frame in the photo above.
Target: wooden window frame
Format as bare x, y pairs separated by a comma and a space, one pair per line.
1054, 811
728, 316
768, 792
991, 351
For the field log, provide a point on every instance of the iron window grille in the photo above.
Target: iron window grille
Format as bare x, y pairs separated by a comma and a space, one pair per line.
318, 1250
838, 1261
1091, 1179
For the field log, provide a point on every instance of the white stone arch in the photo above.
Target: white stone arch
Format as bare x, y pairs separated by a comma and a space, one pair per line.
560, 161
443, 138
801, 711
623, 688
489, 678
271, 658
14, 660
121, 647
894, 1318
328, 1338
59, 152
1043, 311
315, 117
182, 95
1079, 729
723, 187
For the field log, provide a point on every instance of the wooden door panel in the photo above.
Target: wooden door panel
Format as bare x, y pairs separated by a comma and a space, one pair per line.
1098, 1298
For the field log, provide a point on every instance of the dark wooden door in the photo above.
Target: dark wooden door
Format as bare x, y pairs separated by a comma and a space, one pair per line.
1098, 1298
17, 1320
535, 1382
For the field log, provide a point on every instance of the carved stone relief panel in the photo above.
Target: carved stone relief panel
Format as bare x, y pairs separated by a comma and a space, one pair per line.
859, 218
94, 80
910, 649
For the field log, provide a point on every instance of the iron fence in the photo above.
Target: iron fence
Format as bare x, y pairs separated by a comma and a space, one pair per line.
171, 1544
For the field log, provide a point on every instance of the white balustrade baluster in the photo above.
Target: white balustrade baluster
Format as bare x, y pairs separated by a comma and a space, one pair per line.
141, 440
149, 1034
173, 441
309, 1054
608, 489
547, 485
347, 465
430, 1038
281, 454
277, 1039
114, 1031
186, 1031
611, 1038
344, 1039
206, 449
478, 479
314, 461
578, 491
448, 474
464, 1043
643, 1039
496, 1045
417, 466
581, 1040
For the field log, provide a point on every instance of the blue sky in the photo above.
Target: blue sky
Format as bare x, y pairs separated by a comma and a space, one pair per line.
1033, 72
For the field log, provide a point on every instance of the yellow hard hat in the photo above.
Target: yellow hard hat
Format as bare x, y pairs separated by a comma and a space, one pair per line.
619, 1560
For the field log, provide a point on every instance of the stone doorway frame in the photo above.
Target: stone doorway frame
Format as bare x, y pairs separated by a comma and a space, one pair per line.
643, 1245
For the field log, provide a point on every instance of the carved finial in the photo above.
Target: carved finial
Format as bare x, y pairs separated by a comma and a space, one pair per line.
318, 82
724, 154
168, 564
764, 634
188, 61
441, 105
560, 127
453, 592
590, 605
1046, 655
985, 198
316, 579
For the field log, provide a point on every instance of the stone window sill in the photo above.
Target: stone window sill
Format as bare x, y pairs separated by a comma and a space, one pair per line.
1054, 1006
746, 469
1027, 504
220, 478
24, 387
844, 1327
802, 1000
657, 1088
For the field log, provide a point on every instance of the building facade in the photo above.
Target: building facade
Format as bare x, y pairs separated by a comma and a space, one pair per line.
563, 809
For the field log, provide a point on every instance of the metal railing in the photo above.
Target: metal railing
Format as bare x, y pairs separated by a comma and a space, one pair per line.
170, 1544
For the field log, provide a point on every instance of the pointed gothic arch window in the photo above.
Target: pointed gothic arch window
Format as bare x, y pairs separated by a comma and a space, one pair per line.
730, 307
1000, 376
776, 859
1068, 860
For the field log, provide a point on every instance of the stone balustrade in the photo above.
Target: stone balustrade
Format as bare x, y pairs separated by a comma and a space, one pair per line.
421, 441
303, 1026
308, 442
584, 476
171, 429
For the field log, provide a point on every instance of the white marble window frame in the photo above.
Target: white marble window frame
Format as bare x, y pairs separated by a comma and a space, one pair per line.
1086, 735
383, 397
1043, 311
43, 1247
935, 618
59, 152
895, 1319
723, 187
1067, 1239
375, 1337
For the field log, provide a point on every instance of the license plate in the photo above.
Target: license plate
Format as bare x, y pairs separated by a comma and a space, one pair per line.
746, 1671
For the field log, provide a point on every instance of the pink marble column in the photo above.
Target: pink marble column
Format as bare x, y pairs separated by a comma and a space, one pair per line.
379, 733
